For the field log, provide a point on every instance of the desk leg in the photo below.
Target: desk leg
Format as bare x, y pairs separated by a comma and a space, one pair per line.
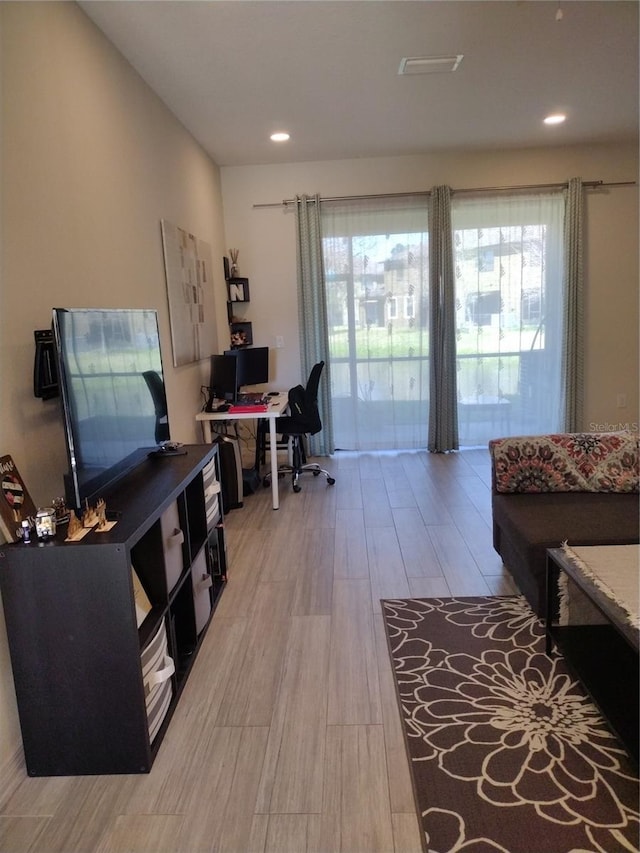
206, 431
273, 455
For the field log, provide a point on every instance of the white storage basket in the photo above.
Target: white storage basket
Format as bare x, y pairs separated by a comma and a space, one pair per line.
157, 669
202, 582
211, 495
172, 540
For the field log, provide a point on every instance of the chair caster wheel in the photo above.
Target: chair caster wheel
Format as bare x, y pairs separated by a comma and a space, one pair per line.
297, 488
316, 473
266, 483
330, 481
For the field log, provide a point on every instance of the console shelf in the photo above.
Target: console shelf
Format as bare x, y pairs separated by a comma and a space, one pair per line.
95, 690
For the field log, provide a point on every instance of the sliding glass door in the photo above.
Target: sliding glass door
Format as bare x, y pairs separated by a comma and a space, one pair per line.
509, 282
508, 258
376, 274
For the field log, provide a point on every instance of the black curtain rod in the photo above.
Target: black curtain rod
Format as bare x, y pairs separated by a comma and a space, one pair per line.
522, 188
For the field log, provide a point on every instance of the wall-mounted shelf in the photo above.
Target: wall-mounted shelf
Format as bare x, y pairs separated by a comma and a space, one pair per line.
240, 330
238, 290
241, 334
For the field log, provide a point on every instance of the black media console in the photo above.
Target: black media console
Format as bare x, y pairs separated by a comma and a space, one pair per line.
96, 684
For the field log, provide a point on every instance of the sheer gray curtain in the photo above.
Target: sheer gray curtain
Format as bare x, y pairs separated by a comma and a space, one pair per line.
572, 352
443, 412
312, 313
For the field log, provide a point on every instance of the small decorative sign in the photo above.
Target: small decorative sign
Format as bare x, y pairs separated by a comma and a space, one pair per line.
16, 505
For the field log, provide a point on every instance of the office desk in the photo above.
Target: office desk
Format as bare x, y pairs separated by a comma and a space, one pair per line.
277, 406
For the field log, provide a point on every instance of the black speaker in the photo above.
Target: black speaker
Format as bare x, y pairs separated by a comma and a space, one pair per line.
230, 472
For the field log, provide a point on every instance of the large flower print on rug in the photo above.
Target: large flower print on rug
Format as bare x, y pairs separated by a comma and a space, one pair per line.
507, 753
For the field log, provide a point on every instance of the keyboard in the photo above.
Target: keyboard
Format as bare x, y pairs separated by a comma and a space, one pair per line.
251, 398
248, 408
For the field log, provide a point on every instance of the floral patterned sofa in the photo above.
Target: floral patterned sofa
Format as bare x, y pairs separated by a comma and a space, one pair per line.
580, 488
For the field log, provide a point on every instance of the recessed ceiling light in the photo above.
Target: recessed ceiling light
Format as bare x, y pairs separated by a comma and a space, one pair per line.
279, 137
557, 118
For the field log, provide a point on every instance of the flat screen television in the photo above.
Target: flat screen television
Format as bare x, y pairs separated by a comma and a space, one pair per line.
112, 392
253, 365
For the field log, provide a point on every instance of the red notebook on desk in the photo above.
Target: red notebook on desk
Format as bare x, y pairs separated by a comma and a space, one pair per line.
247, 408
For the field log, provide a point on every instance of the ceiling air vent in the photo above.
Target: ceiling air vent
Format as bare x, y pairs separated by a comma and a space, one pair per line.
430, 64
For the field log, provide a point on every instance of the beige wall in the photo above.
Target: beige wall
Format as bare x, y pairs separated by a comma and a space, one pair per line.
91, 161
266, 241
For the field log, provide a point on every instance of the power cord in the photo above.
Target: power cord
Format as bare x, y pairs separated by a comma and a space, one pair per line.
205, 393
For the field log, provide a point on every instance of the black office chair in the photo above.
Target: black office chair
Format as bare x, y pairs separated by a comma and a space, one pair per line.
156, 389
304, 420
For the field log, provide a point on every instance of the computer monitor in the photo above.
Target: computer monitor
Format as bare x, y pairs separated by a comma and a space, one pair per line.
253, 365
223, 381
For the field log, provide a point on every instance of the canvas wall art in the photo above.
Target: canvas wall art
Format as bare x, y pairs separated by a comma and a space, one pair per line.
188, 269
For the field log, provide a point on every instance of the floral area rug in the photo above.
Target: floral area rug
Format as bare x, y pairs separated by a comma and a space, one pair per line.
507, 753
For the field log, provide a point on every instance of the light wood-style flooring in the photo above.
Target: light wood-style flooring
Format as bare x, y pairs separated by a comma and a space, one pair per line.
287, 735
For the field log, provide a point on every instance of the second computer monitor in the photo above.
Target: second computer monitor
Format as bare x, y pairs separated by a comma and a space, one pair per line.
253, 365
223, 382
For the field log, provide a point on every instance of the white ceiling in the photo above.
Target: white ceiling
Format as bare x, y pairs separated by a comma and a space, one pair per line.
234, 71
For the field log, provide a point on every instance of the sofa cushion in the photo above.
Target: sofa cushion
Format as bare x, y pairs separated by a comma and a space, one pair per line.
535, 524
524, 526
566, 462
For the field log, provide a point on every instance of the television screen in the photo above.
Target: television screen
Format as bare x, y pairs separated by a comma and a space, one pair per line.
223, 381
112, 391
253, 365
